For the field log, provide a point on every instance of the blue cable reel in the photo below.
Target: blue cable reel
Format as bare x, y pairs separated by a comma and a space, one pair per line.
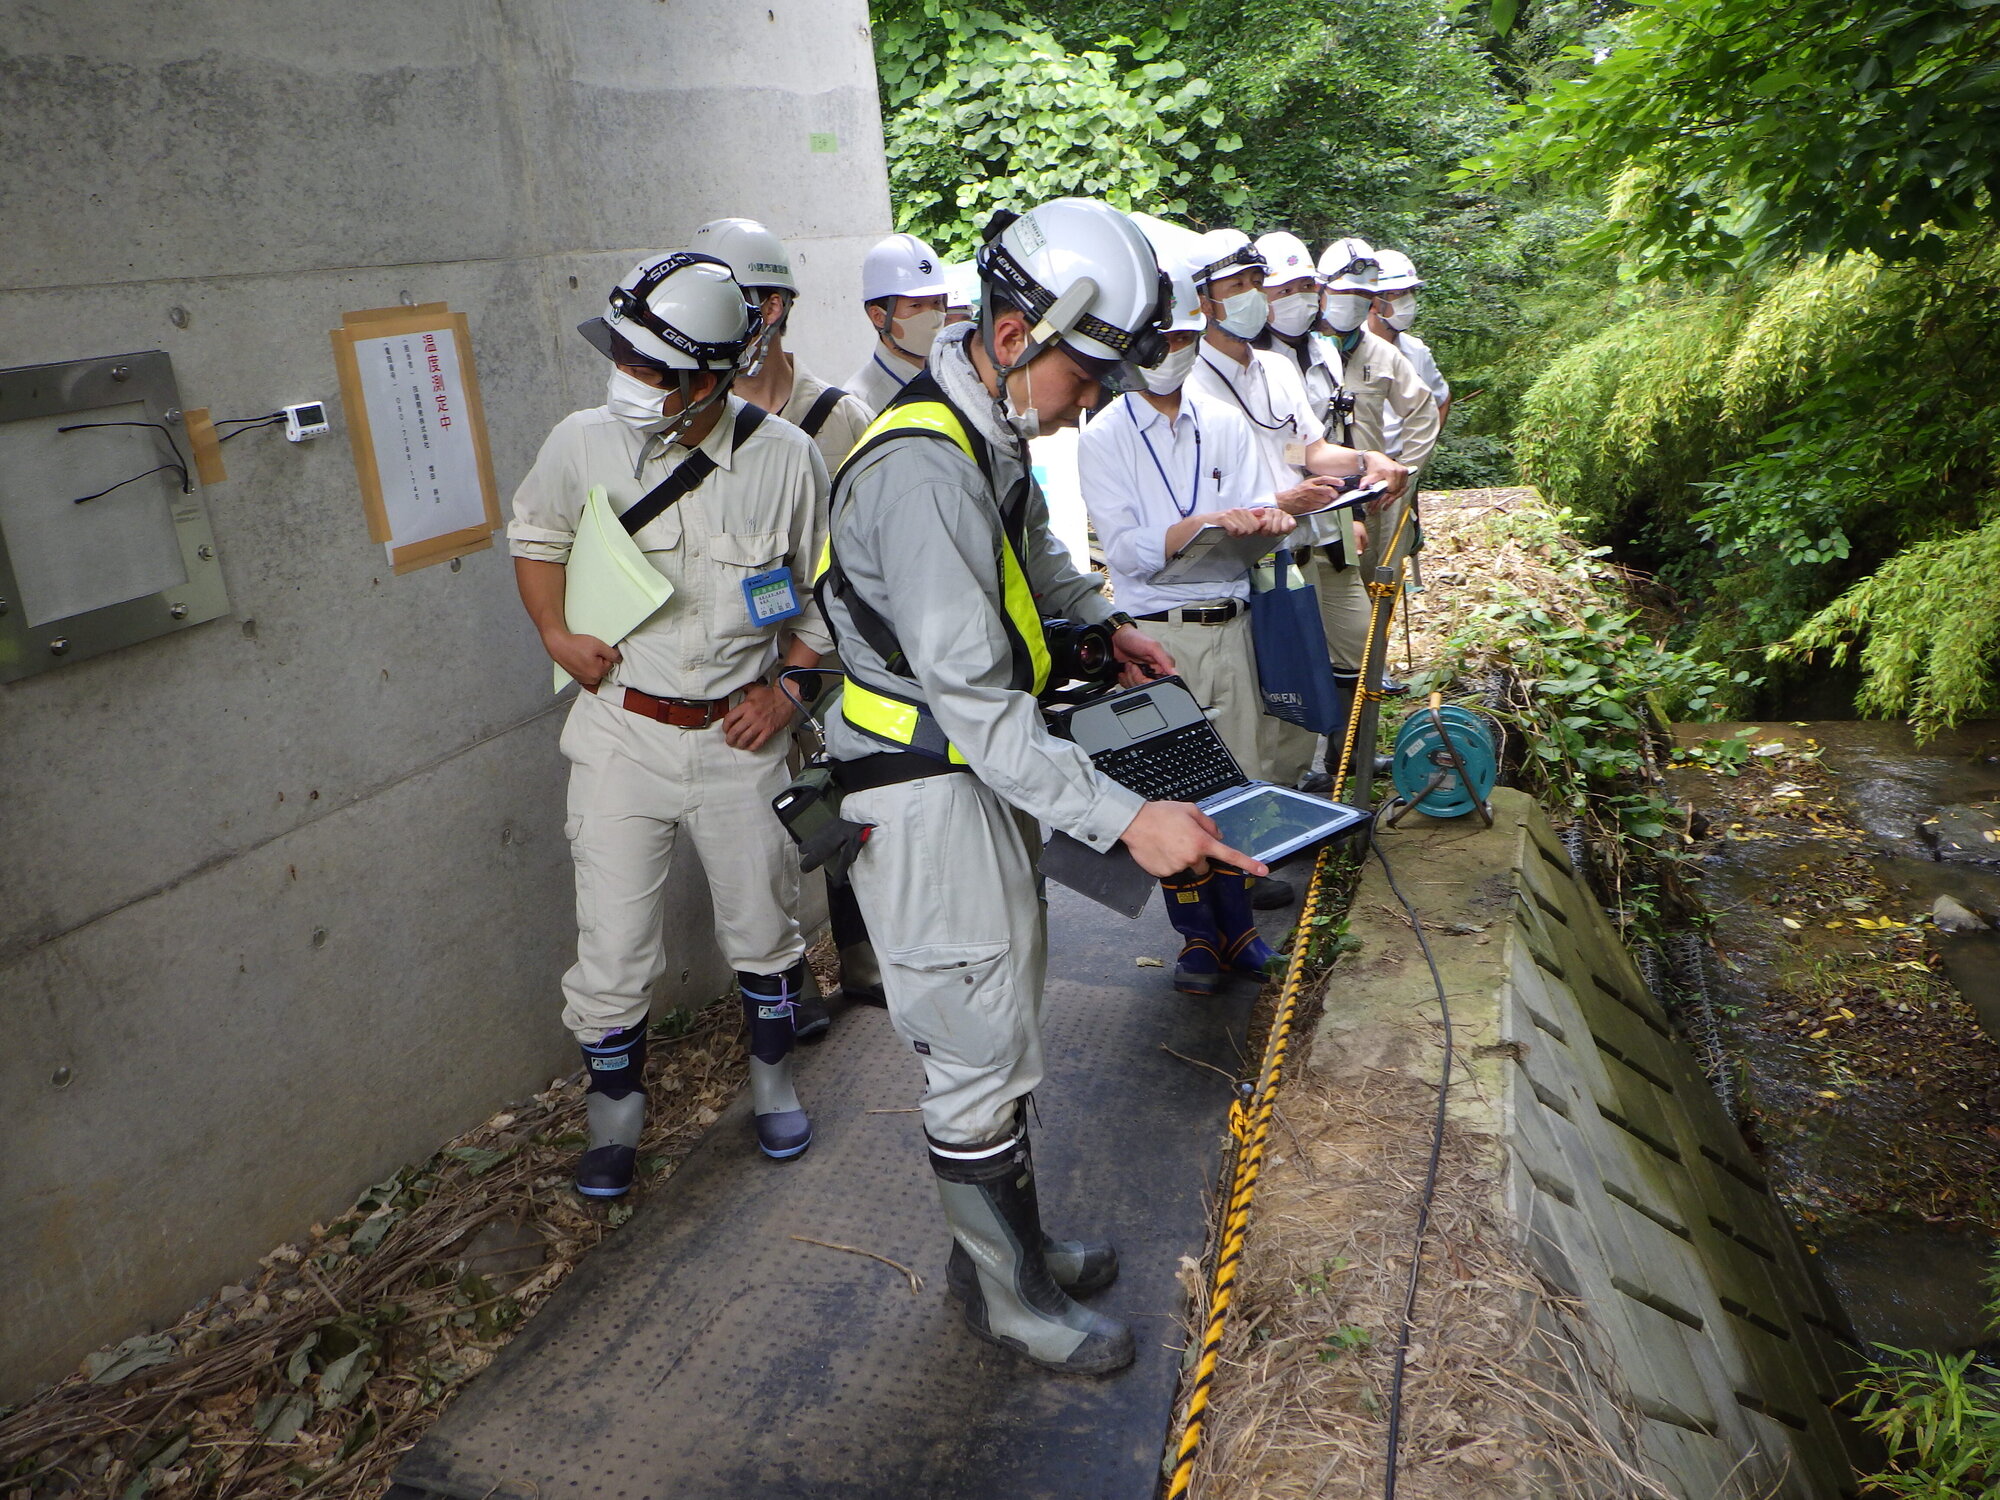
1445, 764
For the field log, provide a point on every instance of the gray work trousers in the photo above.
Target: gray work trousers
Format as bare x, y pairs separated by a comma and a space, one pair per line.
949, 887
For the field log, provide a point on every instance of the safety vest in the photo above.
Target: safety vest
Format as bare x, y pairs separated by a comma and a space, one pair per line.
893, 715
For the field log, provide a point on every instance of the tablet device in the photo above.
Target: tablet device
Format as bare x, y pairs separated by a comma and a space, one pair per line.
1268, 822
1212, 555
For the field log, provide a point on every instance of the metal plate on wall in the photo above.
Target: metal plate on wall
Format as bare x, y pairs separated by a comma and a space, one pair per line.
81, 577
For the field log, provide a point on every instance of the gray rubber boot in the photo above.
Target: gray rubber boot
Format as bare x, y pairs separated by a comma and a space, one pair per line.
615, 1106
1011, 1298
1079, 1267
783, 1131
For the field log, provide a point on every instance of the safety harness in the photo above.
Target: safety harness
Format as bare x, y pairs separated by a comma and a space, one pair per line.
896, 716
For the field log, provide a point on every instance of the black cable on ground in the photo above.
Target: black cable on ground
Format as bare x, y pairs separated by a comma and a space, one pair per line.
1429, 1193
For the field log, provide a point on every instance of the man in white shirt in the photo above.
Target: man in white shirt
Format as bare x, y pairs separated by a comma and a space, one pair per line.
1155, 467
1291, 438
903, 288
771, 377
1395, 310
679, 729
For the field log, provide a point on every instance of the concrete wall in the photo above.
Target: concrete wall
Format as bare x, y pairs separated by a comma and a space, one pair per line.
284, 898
1715, 1354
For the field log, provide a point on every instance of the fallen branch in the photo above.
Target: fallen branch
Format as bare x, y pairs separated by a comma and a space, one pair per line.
916, 1281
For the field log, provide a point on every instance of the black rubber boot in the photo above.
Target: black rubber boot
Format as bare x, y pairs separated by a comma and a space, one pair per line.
1191, 908
615, 1101
1011, 1298
810, 1020
1348, 685
1243, 947
1268, 893
783, 1131
860, 974
1079, 1267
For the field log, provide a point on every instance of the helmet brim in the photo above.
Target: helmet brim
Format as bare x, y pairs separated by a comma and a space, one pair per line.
597, 333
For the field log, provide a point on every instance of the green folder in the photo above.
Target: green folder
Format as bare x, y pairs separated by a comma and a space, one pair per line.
610, 590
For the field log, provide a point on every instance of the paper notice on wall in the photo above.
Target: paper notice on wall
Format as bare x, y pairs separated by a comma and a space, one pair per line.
418, 433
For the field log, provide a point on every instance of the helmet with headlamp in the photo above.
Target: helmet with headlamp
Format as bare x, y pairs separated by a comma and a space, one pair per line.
1089, 284
1226, 252
675, 314
1348, 269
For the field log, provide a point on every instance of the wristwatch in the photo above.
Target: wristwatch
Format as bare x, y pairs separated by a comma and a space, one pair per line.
1118, 620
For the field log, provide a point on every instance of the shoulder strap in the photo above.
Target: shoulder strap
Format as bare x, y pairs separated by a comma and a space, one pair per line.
921, 409
685, 479
820, 410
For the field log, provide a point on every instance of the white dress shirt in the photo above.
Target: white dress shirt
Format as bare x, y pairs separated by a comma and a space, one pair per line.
1270, 395
1142, 474
1418, 353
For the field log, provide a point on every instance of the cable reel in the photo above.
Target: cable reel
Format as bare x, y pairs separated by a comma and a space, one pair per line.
1445, 764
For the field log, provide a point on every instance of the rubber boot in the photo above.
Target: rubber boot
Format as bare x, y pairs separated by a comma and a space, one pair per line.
1191, 908
1268, 893
1348, 687
1243, 949
860, 974
615, 1104
1079, 1267
783, 1131
810, 1019
1011, 1298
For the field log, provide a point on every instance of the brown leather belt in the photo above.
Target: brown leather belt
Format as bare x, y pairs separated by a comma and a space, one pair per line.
1219, 613
681, 713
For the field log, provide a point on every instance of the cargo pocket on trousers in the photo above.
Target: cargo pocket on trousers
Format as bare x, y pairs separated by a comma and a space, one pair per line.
572, 826
961, 1007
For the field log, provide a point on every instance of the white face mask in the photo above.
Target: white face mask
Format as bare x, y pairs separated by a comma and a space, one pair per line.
1402, 311
1347, 311
1294, 314
1166, 377
636, 404
1245, 314
915, 334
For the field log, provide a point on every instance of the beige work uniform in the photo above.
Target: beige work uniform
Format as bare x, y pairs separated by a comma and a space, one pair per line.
880, 380
636, 784
843, 426
1385, 387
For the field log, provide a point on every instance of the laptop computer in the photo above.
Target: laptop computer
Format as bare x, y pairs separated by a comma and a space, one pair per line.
1157, 741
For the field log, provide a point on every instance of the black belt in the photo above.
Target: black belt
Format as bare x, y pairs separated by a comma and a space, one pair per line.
890, 768
1334, 553
1198, 614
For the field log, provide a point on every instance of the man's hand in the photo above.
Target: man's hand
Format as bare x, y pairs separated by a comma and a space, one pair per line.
1314, 492
1360, 534
1253, 520
764, 711
584, 657
1144, 657
1380, 466
1168, 837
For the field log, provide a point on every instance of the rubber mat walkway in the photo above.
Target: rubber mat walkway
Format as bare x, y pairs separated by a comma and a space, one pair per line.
702, 1353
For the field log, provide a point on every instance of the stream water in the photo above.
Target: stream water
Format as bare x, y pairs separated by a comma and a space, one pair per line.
1910, 1081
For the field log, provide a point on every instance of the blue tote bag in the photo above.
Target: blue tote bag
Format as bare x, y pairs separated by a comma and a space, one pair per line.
1292, 665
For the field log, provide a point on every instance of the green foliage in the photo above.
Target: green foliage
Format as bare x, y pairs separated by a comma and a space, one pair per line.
1939, 1420
1741, 134
983, 112
1930, 620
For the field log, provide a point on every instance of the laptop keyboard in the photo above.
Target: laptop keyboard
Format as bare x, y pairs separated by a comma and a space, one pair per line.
1183, 765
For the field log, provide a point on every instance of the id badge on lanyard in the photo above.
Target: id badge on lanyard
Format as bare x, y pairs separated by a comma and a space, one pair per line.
771, 597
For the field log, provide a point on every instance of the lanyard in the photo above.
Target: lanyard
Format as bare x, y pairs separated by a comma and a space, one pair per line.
1271, 426
1194, 480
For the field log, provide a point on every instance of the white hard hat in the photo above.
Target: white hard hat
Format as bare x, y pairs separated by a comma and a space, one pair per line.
1349, 265
682, 310
1175, 245
1085, 273
1285, 258
756, 257
1398, 274
1222, 252
902, 266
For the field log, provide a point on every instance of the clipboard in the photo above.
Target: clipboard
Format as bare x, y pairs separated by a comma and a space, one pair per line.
1214, 555
609, 589
1335, 522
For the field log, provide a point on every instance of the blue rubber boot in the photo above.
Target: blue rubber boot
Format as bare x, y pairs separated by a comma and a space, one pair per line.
615, 1101
1243, 949
1191, 908
769, 1004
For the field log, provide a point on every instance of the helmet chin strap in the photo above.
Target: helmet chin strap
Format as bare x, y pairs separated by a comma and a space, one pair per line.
1062, 316
690, 414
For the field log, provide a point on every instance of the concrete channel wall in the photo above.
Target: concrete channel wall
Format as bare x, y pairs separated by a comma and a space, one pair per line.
1716, 1353
284, 896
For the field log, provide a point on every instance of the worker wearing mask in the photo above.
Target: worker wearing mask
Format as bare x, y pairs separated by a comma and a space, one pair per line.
772, 378
1156, 466
1363, 385
940, 568
680, 729
903, 288
1395, 311
1266, 388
